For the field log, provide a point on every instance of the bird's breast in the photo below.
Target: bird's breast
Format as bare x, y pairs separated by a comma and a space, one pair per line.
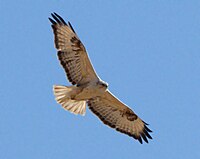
89, 92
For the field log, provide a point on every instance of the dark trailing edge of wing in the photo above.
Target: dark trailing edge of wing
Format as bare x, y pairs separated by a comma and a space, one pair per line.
66, 69
57, 19
143, 135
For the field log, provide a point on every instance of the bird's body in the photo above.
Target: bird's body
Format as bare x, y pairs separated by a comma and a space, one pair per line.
87, 91
88, 88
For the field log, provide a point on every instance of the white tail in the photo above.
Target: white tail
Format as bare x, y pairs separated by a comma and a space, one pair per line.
62, 94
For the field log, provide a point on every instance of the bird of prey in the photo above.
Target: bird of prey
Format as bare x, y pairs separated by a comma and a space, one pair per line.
88, 88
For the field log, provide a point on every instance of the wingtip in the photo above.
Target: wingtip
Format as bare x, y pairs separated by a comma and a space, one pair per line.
52, 21
55, 14
140, 140
52, 14
147, 129
144, 137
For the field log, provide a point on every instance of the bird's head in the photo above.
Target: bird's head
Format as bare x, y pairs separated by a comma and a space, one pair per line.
103, 85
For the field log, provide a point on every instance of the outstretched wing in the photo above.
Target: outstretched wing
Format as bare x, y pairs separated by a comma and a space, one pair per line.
71, 52
117, 115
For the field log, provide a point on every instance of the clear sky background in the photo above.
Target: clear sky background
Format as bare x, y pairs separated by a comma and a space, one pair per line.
148, 52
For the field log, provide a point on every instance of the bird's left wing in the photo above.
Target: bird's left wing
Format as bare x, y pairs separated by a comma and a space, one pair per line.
117, 115
72, 53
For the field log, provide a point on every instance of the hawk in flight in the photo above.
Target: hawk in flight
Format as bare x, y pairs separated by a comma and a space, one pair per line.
88, 88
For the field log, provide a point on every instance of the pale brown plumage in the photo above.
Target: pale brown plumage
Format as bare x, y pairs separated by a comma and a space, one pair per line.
72, 53
119, 116
74, 59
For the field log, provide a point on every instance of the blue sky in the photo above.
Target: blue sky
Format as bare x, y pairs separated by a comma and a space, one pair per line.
148, 52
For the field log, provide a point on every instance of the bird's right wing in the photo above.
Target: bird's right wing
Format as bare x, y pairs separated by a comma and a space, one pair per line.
71, 52
117, 115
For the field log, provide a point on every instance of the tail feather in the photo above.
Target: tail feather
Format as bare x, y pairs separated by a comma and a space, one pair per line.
62, 96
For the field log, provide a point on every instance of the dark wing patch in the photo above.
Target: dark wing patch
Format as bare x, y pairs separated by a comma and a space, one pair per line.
124, 121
